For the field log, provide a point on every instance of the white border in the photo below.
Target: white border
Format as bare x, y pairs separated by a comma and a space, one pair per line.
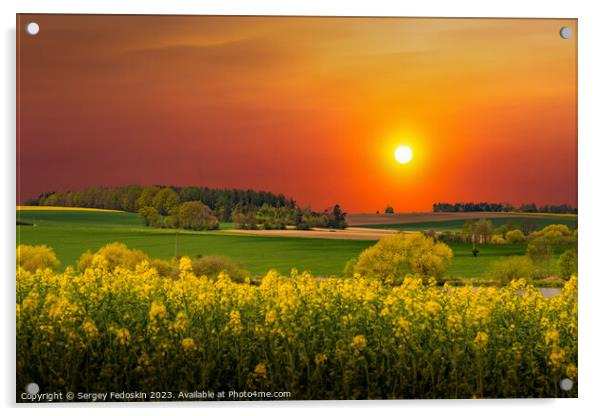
590, 201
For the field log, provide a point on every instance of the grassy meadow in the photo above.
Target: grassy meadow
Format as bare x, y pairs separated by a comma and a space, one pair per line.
71, 232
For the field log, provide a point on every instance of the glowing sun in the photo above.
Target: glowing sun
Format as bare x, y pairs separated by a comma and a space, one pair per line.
403, 154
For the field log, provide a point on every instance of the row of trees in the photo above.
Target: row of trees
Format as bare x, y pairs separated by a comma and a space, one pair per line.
502, 207
274, 218
483, 231
163, 208
132, 198
199, 208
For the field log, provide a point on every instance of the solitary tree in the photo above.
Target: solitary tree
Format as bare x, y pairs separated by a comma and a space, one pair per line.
395, 256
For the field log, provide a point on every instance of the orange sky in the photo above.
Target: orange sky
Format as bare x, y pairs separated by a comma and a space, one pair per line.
311, 107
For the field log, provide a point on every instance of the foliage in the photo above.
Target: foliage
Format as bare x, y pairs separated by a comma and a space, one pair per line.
389, 210
568, 264
245, 220
553, 231
513, 268
166, 268
498, 239
133, 330
212, 266
502, 207
150, 216
541, 252
165, 201
113, 254
132, 198
515, 236
194, 215
350, 267
395, 256
32, 258
505, 228
480, 231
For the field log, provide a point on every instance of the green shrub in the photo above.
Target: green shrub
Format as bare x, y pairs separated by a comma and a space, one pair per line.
166, 268
498, 239
555, 230
194, 215
568, 264
150, 216
513, 268
398, 255
541, 252
515, 236
32, 258
212, 266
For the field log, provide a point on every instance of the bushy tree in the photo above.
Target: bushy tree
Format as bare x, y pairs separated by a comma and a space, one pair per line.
513, 268
212, 266
32, 258
479, 231
336, 218
146, 197
244, 219
498, 239
568, 264
166, 268
515, 236
195, 215
389, 209
505, 228
151, 216
115, 254
556, 229
541, 252
398, 255
165, 200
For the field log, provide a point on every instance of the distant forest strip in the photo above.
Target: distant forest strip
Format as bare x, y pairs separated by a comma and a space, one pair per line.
128, 198
199, 208
502, 207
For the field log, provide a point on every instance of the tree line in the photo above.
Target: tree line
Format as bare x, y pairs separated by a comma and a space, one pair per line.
199, 208
133, 197
502, 207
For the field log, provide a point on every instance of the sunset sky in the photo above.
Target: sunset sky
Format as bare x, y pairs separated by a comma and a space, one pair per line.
310, 107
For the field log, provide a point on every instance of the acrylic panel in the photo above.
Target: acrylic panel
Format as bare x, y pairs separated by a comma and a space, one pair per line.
295, 208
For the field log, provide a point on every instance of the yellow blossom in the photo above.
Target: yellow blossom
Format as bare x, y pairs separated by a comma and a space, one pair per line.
552, 336
188, 344
481, 340
157, 311
359, 342
320, 358
556, 357
260, 370
571, 371
90, 328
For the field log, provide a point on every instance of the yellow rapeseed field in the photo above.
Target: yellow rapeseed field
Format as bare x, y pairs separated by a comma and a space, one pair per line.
133, 330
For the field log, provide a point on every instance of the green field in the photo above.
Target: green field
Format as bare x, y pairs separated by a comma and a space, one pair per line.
70, 233
456, 225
